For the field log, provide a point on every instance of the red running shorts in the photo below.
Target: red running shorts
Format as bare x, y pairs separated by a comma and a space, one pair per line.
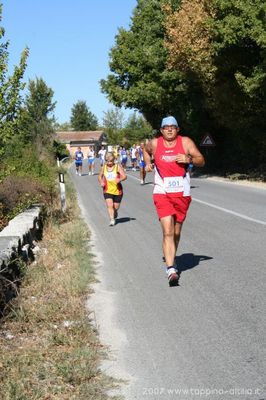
168, 205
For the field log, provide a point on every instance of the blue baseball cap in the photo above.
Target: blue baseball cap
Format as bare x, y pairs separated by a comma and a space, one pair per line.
169, 121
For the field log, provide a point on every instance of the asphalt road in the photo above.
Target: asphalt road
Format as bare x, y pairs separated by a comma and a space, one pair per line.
205, 338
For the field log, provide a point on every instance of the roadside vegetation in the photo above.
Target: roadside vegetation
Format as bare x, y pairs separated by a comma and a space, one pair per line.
203, 61
49, 345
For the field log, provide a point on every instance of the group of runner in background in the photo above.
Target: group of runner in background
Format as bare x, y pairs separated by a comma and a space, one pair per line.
114, 161
127, 158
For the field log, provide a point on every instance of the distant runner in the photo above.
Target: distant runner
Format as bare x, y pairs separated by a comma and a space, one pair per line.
172, 154
133, 155
78, 161
101, 154
142, 164
110, 177
123, 158
91, 160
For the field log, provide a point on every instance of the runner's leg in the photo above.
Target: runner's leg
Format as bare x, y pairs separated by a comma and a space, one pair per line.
177, 234
142, 174
110, 207
169, 245
116, 208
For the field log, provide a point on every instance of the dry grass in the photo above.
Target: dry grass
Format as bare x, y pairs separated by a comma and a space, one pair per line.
49, 349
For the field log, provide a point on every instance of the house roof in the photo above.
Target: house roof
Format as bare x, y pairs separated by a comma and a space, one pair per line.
79, 136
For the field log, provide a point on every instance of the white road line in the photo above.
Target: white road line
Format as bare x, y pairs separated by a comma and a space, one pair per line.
229, 211
220, 208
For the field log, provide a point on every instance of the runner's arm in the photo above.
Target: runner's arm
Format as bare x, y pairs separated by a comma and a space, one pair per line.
193, 155
100, 177
122, 173
147, 153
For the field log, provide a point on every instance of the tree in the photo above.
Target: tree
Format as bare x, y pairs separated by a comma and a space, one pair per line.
189, 42
220, 47
137, 129
81, 117
36, 118
113, 119
134, 130
10, 92
113, 122
65, 126
39, 101
139, 78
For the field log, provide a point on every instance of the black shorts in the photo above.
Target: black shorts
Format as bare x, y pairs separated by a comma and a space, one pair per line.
116, 197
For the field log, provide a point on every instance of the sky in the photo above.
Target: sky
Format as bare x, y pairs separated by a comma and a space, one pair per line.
69, 43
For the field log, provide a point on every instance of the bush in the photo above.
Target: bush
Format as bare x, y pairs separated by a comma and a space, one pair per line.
26, 177
18, 193
28, 161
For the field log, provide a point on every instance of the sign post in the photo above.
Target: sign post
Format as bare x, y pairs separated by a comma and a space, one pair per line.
62, 191
207, 141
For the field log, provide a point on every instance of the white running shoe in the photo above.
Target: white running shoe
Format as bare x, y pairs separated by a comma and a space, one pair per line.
142, 182
112, 222
173, 276
76, 172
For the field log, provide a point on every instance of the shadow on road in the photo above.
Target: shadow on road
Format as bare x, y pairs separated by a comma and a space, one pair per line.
125, 219
87, 174
148, 183
189, 261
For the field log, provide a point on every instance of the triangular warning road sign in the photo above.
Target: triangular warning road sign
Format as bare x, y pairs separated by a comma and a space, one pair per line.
207, 140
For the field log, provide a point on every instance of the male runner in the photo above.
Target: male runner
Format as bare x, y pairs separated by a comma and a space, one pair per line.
140, 157
78, 160
172, 154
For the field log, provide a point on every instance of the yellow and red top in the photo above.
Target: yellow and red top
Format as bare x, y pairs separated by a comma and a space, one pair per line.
110, 184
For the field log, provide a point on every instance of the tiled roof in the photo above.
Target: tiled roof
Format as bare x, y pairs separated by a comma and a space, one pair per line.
77, 136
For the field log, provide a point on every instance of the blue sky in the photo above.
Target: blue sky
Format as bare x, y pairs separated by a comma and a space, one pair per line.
69, 42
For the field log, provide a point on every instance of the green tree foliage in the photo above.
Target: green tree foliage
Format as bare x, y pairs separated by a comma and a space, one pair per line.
202, 61
220, 47
65, 126
113, 121
137, 129
240, 58
10, 91
60, 149
36, 118
125, 132
82, 119
39, 101
139, 78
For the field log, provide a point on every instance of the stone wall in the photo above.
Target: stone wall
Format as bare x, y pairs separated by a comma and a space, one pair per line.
17, 241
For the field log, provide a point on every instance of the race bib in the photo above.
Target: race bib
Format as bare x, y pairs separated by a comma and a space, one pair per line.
110, 176
173, 184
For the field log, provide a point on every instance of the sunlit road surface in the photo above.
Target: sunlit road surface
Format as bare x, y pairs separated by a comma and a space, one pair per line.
204, 339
